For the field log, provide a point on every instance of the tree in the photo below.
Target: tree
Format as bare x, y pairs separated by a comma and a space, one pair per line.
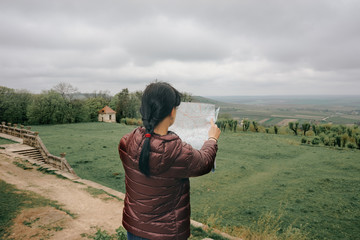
246, 124
344, 139
103, 94
13, 105
66, 90
294, 127
134, 105
230, 123
186, 97
122, 104
276, 129
222, 123
256, 127
235, 125
357, 140
127, 105
338, 140
315, 129
5, 95
47, 108
93, 106
305, 127
78, 111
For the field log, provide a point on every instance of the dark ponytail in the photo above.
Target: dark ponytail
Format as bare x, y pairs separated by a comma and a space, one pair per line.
157, 102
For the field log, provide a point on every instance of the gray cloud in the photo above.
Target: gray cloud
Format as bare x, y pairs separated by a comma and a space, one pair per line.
203, 47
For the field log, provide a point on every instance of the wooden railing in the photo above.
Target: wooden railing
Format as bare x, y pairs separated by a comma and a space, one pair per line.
32, 139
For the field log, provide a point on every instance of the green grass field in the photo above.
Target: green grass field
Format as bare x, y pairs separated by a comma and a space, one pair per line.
315, 189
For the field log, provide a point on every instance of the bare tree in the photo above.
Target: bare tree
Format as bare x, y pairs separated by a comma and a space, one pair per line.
65, 89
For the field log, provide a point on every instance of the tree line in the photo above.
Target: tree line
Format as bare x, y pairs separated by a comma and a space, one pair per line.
331, 135
65, 104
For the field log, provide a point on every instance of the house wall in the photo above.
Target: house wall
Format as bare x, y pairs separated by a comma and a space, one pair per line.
107, 117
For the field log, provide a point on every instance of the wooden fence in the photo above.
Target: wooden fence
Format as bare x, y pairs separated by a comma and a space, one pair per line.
32, 139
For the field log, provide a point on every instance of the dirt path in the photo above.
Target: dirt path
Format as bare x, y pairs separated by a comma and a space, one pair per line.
102, 211
91, 211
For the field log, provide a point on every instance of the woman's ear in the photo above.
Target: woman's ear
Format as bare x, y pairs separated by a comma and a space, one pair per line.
173, 112
172, 116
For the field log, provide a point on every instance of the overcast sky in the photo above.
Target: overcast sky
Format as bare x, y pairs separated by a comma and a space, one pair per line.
208, 48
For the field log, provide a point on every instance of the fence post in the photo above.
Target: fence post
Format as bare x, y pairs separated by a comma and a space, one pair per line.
62, 155
22, 132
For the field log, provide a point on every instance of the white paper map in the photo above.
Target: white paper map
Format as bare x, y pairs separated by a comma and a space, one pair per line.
192, 122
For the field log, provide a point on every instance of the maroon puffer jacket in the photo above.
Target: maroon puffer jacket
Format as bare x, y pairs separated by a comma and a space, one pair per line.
158, 207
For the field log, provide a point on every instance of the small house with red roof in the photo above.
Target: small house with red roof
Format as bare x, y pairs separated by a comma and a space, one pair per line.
107, 115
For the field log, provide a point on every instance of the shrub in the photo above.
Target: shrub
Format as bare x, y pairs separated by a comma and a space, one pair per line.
343, 129
338, 140
351, 145
327, 141
315, 129
303, 140
131, 121
357, 140
344, 139
325, 128
256, 127
332, 141
323, 137
315, 141
276, 129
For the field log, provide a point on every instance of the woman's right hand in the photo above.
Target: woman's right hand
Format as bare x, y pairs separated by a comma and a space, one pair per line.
214, 131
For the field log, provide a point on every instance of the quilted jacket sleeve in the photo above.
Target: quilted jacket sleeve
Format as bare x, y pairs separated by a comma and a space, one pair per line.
200, 162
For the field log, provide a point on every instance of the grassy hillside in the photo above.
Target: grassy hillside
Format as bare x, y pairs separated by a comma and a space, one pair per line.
312, 188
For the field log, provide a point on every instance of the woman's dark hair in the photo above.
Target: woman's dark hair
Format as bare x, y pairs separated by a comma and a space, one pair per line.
157, 102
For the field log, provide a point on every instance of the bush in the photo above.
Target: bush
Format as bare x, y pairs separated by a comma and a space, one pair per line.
327, 141
357, 140
131, 121
316, 141
303, 140
344, 139
351, 145
324, 138
338, 140
315, 129
332, 141
276, 129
